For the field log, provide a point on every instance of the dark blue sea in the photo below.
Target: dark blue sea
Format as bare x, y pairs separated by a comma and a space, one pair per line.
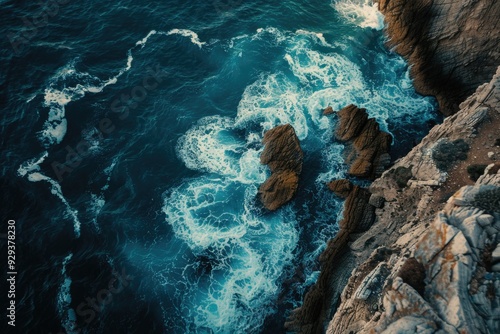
131, 133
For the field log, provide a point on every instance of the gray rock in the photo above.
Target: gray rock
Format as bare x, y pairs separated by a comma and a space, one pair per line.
377, 201
485, 220
495, 255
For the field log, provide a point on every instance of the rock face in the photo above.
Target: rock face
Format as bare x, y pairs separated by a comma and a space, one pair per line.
358, 217
448, 283
416, 234
429, 262
452, 45
368, 147
283, 155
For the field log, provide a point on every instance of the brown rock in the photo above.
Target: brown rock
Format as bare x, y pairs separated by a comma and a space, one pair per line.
328, 111
452, 45
351, 122
358, 217
282, 149
283, 155
341, 188
368, 155
278, 189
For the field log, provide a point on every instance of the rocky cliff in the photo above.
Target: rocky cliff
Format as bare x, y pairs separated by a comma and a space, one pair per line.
429, 263
453, 46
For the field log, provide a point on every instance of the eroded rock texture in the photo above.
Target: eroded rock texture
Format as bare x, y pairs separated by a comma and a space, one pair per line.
283, 155
452, 266
358, 217
370, 289
452, 45
368, 147
453, 241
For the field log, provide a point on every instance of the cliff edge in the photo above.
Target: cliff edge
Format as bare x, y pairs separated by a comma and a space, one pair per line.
430, 262
453, 46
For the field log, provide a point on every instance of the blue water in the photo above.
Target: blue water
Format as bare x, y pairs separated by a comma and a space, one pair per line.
131, 135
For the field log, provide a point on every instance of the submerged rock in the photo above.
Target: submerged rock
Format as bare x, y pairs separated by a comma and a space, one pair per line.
283, 155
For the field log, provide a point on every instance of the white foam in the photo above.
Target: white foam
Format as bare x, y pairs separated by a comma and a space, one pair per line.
251, 251
317, 35
67, 315
188, 33
95, 206
107, 171
31, 169
363, 13
208, 146
270, 101
59, 94
332, 159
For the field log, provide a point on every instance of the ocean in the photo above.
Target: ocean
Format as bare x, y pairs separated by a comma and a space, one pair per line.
131, 135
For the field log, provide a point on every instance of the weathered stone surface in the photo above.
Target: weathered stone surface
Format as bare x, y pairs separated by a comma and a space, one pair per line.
452, 240
282, 150
341, 188
461, 291
413, 273
368, 157
358, 217
278, 189
495, 255
444, 256
377, 201
452, 45
283, 155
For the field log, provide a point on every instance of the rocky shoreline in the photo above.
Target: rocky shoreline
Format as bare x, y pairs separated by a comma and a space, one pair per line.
418, 251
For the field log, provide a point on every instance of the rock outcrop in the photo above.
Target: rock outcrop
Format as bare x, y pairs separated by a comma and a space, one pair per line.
425, 264
421, 226
452, 45
283, 155
367, 146
446, 282
357, 217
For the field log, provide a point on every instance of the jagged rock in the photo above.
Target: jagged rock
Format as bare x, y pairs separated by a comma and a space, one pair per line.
449, 60
485, 220
283, 155
462, 294
282, 150
369, 156
377, 201
278, 189
358, 217
341, 188
328, 111
455, 246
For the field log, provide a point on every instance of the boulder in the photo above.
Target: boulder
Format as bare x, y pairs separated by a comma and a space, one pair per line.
283, 155
368, 147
